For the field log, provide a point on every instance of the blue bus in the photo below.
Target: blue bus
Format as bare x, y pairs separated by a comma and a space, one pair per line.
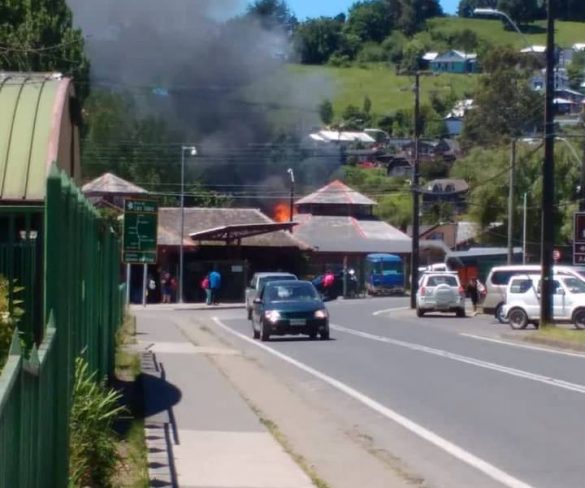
384, 274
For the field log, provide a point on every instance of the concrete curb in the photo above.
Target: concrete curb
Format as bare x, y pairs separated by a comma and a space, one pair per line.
159, 445
186, 306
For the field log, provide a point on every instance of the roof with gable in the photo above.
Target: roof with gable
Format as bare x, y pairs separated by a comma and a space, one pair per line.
336, 193
110, 183
454, 55
32, 109
350, 235
200, 219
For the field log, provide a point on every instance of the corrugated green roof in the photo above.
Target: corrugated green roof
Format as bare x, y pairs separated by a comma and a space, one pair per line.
28, 104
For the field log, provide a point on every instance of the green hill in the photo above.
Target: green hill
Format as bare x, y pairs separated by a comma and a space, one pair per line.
300, 89
293, 93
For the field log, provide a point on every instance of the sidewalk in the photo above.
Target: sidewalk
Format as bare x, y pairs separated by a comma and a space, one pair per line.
200, 433
185, 306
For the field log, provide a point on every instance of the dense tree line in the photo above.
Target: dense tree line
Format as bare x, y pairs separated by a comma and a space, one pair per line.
368, 23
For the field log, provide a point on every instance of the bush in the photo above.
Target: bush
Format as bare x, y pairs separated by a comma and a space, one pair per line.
372, 53
8, 318
340, 61
93, 443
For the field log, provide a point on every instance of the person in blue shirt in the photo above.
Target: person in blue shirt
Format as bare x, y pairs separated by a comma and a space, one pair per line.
214, 285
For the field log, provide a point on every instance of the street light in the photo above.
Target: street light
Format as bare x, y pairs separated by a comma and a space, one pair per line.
548, 181
492, 12
192, 151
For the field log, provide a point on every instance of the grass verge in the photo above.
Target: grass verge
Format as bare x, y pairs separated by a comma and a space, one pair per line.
283, 441
133, 471
559, 337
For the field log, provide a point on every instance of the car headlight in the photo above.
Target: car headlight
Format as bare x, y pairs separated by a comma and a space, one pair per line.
321, 314
272, 315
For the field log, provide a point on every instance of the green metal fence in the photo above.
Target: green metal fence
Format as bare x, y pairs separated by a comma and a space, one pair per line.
83, 306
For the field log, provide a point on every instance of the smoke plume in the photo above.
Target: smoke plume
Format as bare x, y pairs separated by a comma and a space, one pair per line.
195, 63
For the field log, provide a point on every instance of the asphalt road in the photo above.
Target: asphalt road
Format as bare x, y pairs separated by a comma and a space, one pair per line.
469, 410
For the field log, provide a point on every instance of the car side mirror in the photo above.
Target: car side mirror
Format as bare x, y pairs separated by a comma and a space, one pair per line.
257, 300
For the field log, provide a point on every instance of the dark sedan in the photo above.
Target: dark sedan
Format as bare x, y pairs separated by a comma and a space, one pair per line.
289, 307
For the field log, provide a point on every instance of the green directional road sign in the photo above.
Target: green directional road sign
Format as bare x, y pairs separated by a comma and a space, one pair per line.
140, 231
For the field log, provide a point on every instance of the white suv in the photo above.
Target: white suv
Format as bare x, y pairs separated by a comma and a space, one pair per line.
523, 300
441, 292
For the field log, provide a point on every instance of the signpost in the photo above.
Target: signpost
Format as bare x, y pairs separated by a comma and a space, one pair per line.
140, 237
579, 238
140, 231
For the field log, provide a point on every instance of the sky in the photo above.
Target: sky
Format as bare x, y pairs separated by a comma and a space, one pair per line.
316, 8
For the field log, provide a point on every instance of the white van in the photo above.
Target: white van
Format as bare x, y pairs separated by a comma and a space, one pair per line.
523, 300
499, 277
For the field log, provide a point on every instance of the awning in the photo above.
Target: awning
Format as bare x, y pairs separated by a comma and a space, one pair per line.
236, 232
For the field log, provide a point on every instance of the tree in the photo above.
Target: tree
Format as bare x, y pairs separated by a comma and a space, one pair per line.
272, 14
570, 10
576, 70
326, 112
317, 39
505, 105
414, 13
38, 35
370, 20
520, 10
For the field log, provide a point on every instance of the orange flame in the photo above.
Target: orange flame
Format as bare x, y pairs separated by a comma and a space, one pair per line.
281, 212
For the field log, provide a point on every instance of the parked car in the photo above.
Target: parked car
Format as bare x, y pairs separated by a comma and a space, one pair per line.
440, 292
498, 278
336, 290
522, 305
289, 307
258, 280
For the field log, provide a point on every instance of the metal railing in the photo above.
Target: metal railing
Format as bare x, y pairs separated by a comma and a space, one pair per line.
83, 305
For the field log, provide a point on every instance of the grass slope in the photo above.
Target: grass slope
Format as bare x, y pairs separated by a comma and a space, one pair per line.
291, 95
294, 93
492, 30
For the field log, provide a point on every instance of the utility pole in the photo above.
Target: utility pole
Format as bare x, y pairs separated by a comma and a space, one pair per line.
582, 187
548, 229
415, 197
511, 202
292, 194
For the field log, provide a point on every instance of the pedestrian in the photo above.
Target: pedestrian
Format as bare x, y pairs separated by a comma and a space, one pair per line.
166, 284
206, 289
214, 285
476, 291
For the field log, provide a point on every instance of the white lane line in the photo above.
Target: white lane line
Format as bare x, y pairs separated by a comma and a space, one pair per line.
467, 360
422, 432
524, 346
380, 312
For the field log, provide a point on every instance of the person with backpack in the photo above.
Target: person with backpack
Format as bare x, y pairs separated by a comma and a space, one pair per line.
206, 289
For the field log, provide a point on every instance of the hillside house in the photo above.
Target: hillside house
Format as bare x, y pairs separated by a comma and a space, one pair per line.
455, 62
447, 190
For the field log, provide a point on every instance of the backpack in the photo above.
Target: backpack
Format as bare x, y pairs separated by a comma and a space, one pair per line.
205, 283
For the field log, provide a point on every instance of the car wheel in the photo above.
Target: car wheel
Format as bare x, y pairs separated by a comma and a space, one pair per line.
264, 334
313, 335
579, 318
420, 312
499, 314
460, 313
324, 335
517, 319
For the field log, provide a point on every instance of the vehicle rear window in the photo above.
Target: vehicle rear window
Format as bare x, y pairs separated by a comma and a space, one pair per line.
442, 280
520, 285
266, 279
501, 277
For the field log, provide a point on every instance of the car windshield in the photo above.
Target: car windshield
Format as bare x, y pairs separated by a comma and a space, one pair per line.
442, 280
291, 292
574, 285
